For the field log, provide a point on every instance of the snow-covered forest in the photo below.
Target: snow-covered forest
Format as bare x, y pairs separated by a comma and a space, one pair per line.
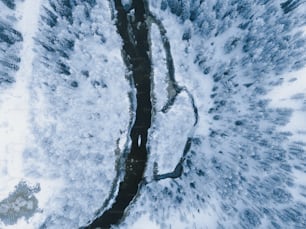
210, 94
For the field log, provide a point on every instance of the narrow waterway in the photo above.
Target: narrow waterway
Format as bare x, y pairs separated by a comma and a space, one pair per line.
132, 27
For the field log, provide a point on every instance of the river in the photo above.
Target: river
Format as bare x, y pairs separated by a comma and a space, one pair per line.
134, 33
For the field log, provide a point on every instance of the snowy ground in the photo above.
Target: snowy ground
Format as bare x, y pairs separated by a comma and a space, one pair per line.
15, 130
65, 120
235, 177
74, 173
291, 94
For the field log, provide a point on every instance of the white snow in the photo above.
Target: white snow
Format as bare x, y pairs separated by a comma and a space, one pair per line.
77, 128
14, 106
15, 132
160, 73
168, 136
292, 94
201, 220
156, 199
187, 73
144, 221
66, 140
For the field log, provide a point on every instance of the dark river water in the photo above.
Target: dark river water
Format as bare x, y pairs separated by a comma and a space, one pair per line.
136, 49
